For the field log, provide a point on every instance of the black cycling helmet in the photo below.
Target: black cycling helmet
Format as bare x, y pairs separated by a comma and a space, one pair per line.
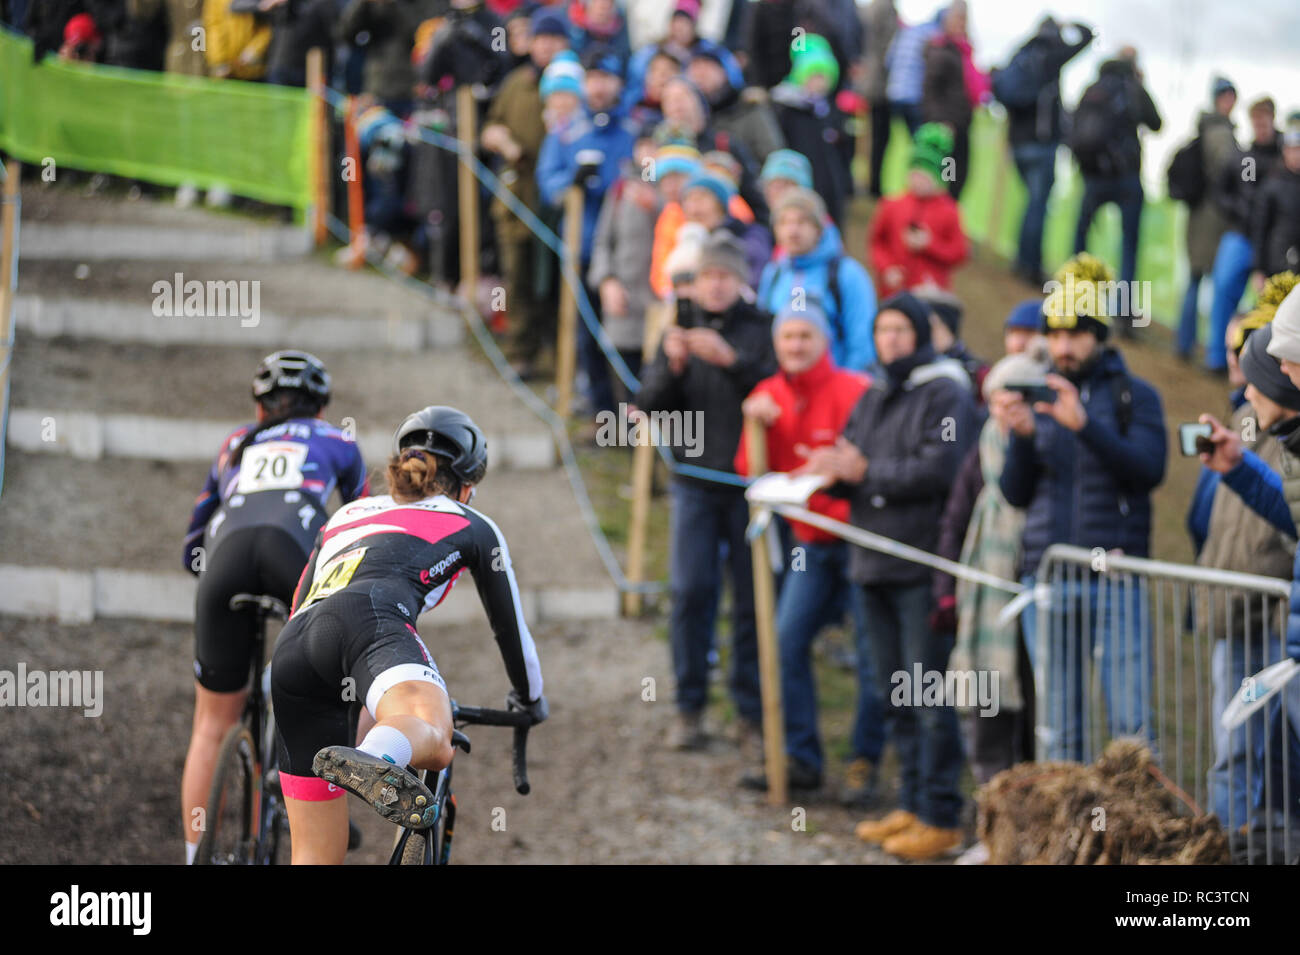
292, 371
448, 433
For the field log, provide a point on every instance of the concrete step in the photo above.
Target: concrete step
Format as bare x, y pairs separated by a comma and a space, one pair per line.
176, 402
65, 223
291, 303
85, 539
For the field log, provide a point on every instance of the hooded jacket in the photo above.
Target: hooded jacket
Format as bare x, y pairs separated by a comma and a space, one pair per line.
1090, 488
818, 129
1275, 228
1044, 121
815, 405
851, 317
933, 264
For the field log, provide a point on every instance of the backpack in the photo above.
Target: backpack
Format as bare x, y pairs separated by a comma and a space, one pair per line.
1096, 121
1017, 85
1185, 179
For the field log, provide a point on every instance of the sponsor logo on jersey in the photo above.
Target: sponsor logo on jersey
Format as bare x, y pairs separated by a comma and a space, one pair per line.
437, 570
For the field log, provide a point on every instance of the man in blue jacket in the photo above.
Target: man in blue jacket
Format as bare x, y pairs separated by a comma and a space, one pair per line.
1084, 466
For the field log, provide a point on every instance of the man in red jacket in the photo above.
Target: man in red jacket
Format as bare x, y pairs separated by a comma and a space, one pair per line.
804, 406
916, 238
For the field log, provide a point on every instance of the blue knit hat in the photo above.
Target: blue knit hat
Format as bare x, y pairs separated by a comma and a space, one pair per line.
787, 164
811, 313
1028, 314
717, 184
549, 21
564, 75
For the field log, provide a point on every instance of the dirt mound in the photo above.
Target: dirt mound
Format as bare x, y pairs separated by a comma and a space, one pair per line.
1119, 811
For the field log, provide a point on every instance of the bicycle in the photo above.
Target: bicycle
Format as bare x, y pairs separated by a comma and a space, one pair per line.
245, 784
432, 846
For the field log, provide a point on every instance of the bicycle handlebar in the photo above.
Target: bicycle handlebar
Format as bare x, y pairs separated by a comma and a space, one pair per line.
520, 721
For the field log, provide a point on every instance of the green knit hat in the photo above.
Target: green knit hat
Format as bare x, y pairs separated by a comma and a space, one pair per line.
811, 55
931, 145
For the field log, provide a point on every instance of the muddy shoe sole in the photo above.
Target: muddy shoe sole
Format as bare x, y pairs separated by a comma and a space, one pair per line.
390, 790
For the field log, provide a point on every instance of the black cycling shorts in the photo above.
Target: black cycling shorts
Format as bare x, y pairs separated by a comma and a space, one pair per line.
334, 657
251, 560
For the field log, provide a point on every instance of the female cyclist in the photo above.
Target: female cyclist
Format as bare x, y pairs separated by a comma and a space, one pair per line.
251, 531
378, 564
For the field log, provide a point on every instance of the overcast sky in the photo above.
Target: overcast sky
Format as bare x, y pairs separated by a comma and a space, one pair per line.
1181, 44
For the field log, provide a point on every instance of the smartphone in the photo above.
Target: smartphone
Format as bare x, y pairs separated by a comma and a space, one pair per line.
1035, 393
1194, 439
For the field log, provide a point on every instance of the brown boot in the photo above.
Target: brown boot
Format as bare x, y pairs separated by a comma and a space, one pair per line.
922, 842
879, 830
688, 733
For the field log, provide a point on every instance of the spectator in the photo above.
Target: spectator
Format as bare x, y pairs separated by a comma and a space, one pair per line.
1275, 233
646, 107
237, 43
812, 267
744, 115
706, 198
705, 367
916, 238
674, 164
783, 170
1205, 220
466, 50
1084, 467
598, 23
561, 89
880, 24
387, 30
896, 462
1030, 89
621, 255
1022, 326
809, 118
297, 27
805, 406
905, 70
45, 21
1235, 538
982, 531
184, 24
514, 131
1236, 194
1105, 143
952, 87
589, 151
682, 43
945, 334
82, 41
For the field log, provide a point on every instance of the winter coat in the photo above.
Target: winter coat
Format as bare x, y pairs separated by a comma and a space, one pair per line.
747, 118
622, 249
944, 96
1044, 121
1275, 228
879, 24
1205, 221
297, 27
717, 393
815, 127
583, 34
852, 314
388, 75
557, 164
236, 41
465, 51
914, 435
1091, 488
948, 247
184, 17
1134, 108
518, 107
1235, 193
815, 406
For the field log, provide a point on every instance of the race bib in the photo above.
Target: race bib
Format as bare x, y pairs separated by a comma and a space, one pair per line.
273, 466
334, 576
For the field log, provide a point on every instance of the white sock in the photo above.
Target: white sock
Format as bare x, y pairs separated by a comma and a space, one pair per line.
191, 850
387, 743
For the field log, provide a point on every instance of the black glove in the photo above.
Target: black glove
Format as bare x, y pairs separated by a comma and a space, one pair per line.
537, 709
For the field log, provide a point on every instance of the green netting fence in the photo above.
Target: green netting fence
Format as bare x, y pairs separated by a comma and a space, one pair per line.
252, 138
1161, 252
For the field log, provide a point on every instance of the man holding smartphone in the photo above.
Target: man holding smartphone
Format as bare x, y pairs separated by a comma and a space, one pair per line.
1083, 467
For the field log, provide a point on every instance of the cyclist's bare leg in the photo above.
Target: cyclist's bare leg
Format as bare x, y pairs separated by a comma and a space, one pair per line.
318, 830
214, 714
422, 713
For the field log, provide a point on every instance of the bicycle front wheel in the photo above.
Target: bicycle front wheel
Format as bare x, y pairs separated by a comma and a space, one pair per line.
230, 829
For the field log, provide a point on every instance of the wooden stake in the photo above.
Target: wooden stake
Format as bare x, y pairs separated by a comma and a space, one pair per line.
467, 133
769, 663
658, 317
566, 344
356, 194
320, 139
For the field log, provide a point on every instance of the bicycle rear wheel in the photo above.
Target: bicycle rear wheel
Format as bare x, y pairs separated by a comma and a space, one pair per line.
230, 833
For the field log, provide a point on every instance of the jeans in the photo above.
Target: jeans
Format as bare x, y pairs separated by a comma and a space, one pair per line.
1108, 622
1036, 163
1231, 269
927, 738
592, 362
881, 121
816, 593
1190, 318
703, 520
1125, 192
910, 112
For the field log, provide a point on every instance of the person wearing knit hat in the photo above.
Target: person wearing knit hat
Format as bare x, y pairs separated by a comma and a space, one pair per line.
813, 66
723, 251
916, 238
807, 203
788, 167
945, 331
1075, 299
674, 164
548, 21
564, 75
1285, 344
811, 122
1264, 374
715, 184
812, 313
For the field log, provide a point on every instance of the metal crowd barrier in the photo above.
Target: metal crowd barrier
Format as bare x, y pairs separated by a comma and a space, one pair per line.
1126, 646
